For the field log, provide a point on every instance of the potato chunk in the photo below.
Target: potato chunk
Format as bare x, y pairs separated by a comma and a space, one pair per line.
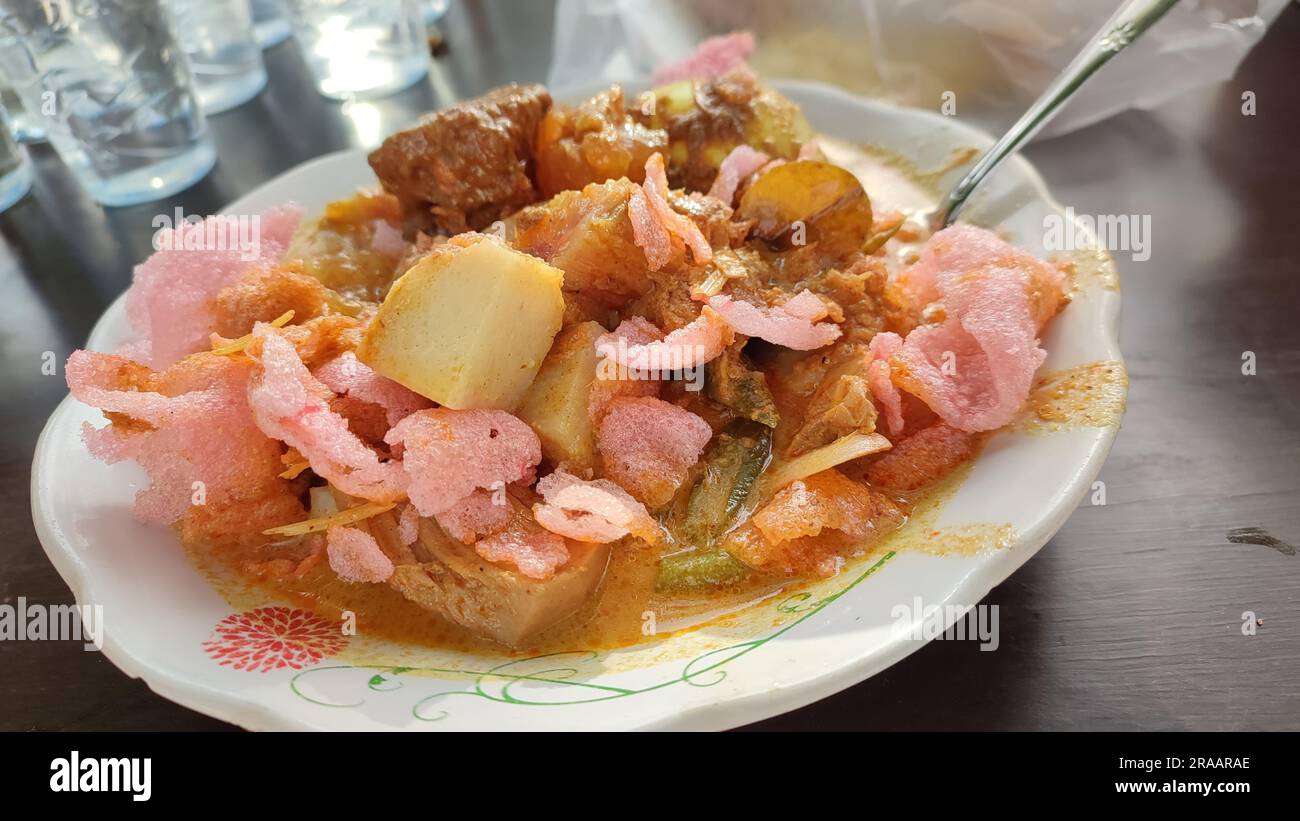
556, 404
468, 327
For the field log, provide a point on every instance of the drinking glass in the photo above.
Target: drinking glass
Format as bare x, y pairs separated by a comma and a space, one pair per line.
22, 125
112, 88
15, 171
359, 49
224, 56
433, 10
270, 22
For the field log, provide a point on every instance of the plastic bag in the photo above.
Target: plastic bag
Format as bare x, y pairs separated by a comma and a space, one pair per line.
988, 58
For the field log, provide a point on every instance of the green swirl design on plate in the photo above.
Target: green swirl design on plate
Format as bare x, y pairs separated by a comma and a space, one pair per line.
797, 604
504, 682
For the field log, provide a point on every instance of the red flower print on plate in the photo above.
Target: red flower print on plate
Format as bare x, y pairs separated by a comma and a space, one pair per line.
272, 638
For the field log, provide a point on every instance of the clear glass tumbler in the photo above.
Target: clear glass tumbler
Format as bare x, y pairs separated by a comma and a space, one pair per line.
270, 22
433, 10
15, 171
25, 128
360, 49
112, 88
224, 56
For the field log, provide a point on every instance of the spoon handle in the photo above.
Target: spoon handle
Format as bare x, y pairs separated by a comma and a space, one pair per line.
1126, 25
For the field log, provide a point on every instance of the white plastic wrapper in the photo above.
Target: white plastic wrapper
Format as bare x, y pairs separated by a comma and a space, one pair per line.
989, 58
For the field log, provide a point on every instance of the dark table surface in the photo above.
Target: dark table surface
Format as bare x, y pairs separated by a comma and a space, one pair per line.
1129, 618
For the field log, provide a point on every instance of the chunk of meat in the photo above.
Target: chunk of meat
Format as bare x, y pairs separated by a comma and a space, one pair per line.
594, 141
591, 511
711, 59
470, 164
293, 406
648, 445
448, 454
190, 427
792, 325
355, 556
169, 304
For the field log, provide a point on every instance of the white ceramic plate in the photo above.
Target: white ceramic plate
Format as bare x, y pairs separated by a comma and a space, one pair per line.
172, 625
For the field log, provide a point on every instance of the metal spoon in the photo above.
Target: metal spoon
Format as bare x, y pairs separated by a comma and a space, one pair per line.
1126, 25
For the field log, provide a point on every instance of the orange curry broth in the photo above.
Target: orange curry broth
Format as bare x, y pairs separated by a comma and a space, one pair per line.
612, 617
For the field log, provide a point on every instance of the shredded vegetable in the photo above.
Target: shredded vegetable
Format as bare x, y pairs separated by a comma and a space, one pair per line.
237, 345
732, 382
885, 226
726, 266
731, 471
343, 517
294, 469
845, 449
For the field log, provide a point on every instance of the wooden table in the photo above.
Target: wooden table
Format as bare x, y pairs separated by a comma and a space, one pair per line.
1130, 618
